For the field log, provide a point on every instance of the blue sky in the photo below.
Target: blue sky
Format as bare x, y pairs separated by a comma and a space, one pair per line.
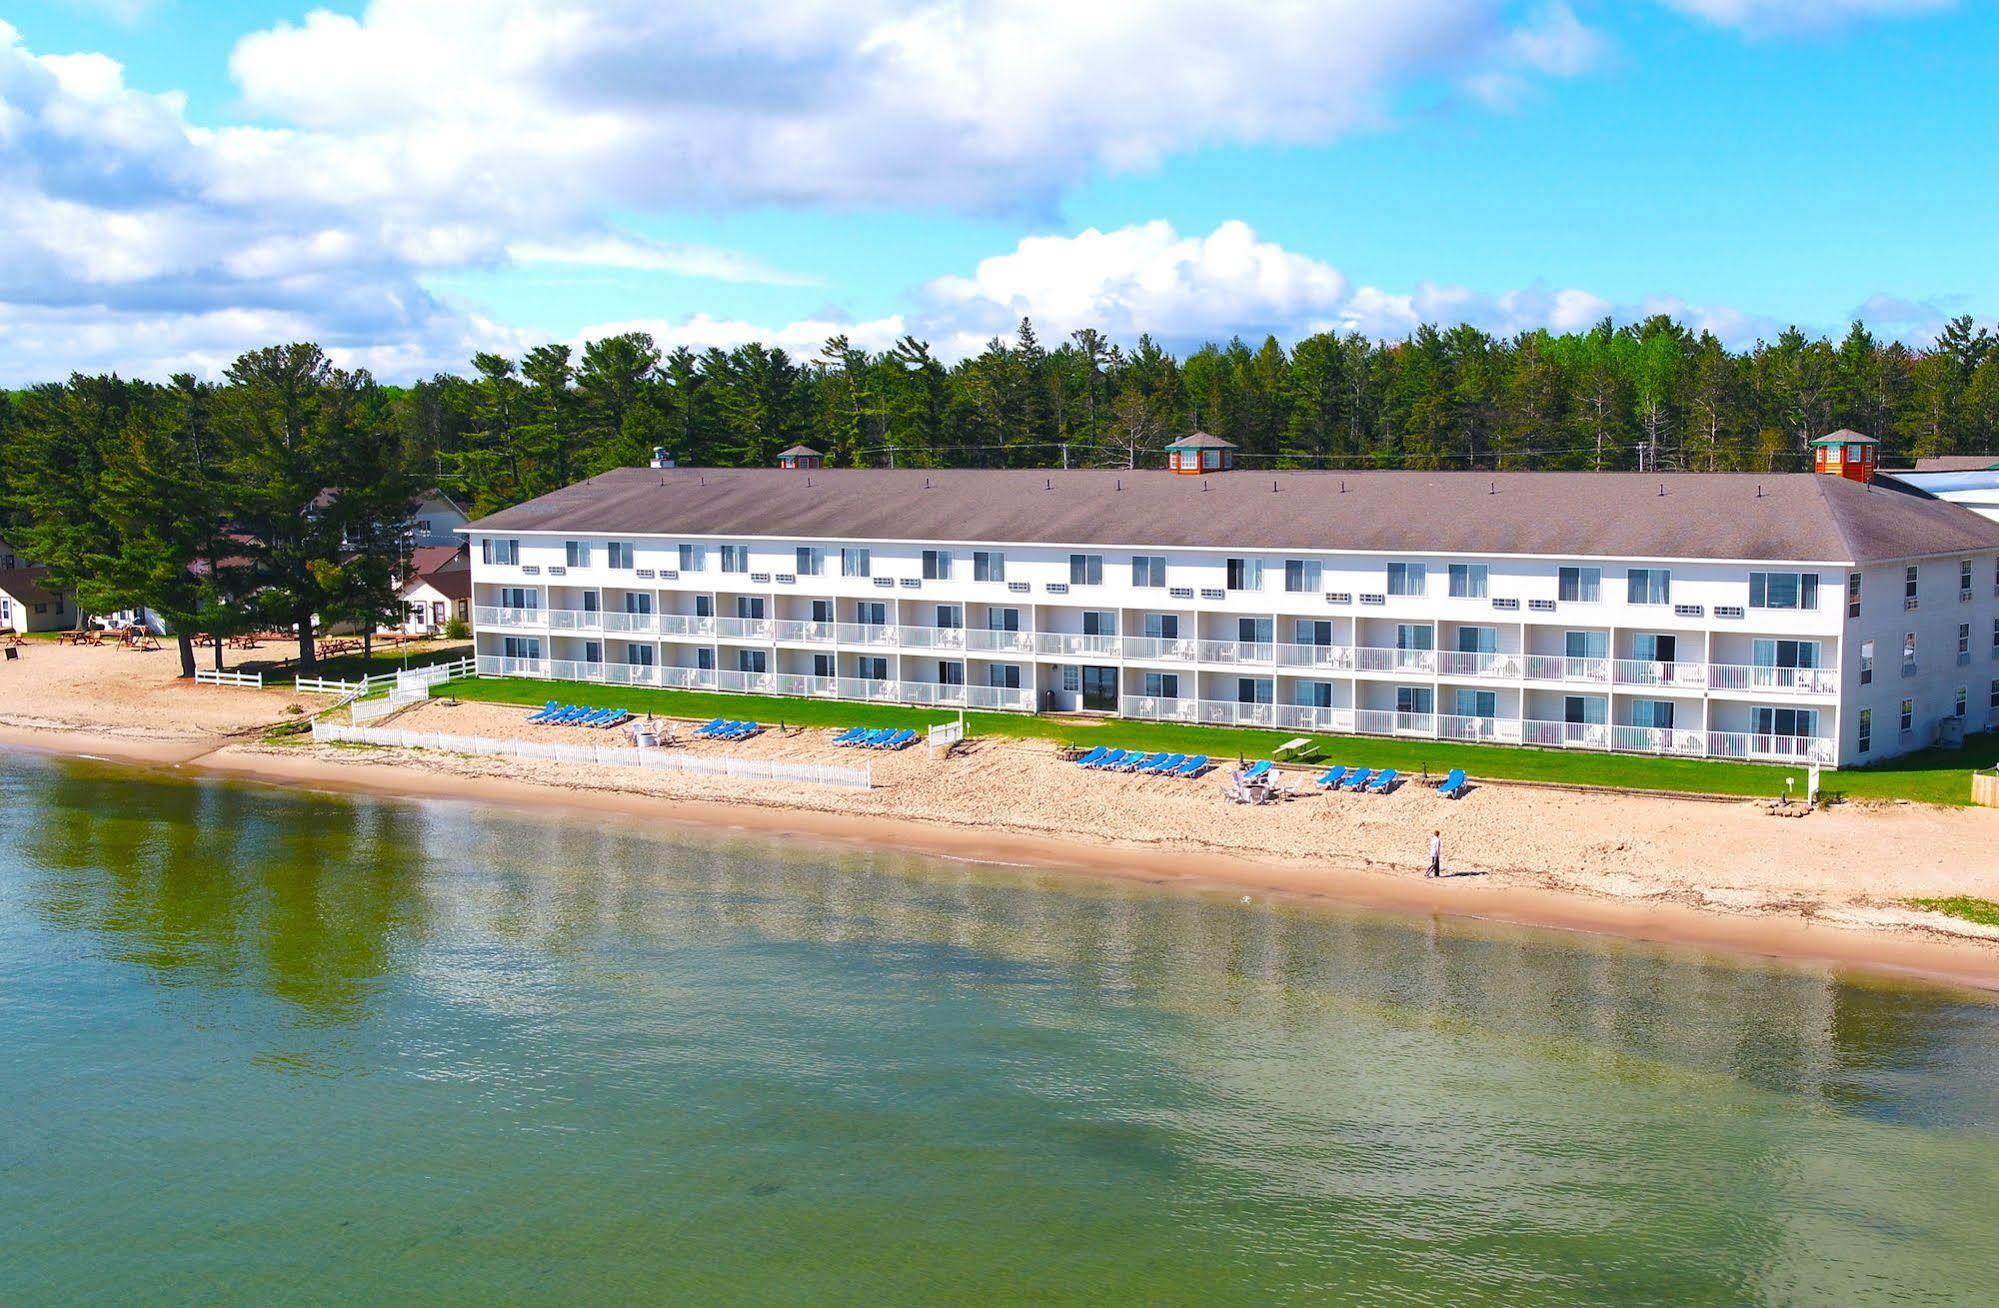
415, 179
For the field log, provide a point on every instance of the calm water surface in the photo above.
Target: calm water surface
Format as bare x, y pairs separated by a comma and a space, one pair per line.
263, 1047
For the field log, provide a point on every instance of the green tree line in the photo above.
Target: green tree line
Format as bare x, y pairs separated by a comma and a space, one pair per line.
206, 501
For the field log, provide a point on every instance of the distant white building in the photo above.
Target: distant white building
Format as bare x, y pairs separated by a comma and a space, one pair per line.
1740, 616
1971, 481
437, 590
26, 605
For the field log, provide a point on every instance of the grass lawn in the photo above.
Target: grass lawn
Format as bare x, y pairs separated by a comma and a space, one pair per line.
1932, 776
1982, 911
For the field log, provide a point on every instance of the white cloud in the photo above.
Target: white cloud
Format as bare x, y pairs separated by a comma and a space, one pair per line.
639, 255
1185, 291
1764, 17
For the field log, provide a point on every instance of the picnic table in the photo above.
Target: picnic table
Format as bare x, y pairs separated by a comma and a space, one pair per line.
78, 638
16, 638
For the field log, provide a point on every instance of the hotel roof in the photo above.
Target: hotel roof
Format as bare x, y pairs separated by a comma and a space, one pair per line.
1785, 516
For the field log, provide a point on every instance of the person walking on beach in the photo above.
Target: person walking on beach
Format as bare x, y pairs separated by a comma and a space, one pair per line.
1436, 854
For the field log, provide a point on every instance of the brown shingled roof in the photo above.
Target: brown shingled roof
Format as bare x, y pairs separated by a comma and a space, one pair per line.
1784, 516
1958, 463
25, 584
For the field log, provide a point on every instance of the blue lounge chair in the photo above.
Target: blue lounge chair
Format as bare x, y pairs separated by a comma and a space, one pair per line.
1453, 785
591, 717
1358, 778
618, 718
1257, 769
1139, 760
570, 716
544, 712
708, 729
1193, 767
902, 739
850, 736
1165, 764
1094, 757
744, 730
1384, 781
1334, 776
1111, 761
878, 737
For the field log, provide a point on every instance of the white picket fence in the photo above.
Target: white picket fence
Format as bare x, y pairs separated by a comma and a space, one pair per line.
372, 710
851, 778
210, 677
430, 675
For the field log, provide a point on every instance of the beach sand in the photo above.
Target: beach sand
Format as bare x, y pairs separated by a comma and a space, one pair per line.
1725, 874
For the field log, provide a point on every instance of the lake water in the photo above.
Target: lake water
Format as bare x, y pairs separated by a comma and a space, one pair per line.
260, 1046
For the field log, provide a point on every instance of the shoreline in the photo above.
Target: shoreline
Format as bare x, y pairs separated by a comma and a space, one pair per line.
1905, 954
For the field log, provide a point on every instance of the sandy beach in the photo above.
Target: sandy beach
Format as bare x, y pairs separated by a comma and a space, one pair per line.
1721, 874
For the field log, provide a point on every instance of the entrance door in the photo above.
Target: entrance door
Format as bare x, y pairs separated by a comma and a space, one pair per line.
1100, 690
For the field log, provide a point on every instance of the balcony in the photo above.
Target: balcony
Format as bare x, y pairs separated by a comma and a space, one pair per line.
758, 629
1392, 722
1674, 676
1758, 679
1472, 666
951, 638
867, 633
805, 633
510, 619
1159, 649
1321, 658
1554, 667
1076, 645
1237, 651
1368, 658
988, 640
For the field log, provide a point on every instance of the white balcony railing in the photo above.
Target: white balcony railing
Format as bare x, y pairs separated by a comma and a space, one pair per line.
1159, 649
1757, 678
1159, 708
1228, 714
1075, 644
1778, 749
1006, 642
1324, 658
867, 633
1457, 663
634, 624
1565, 735
486, 615
1495, 731
1656, 740
932, 637
1648, 672
1238, 651
1369, 658
804, 633
684, 624
494, 665
1390, 722
1554, 667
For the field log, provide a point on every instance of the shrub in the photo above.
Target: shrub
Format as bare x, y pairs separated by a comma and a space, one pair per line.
457, 630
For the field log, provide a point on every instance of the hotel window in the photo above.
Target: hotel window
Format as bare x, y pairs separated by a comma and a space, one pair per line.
872, 667
1002, 619
593, 651
824, 665
1003, 676
520, 597
638, 656
1767, 653
1301, 576
937, 565
704, 606
1648, 586
1580, 585
1406, 578
753, 660
810, 561
1582, 710
1964, 642
1992, 699
1245, 574
1909, 654
1148, 570
1963, 699
1964, 580
950, 616
521, 647
1255, 690
750, 608
1072, 679
1867, 730
1852, 594
1866, 662
822, 610
871, 613
1908, 715
503, 553
1478, 640
1477, 704
1995, 638
1657, 714
693, 558
735, 558
1086, 569
1162, 685
637, 603
618, 554
1162, 626
1313, 632
1909, 587
1468, 581
1785, 722
950, 672
1586, 645
1099, 622
854, 563
1313, 694
578, 553
988, 565
1783, 590
1414, 699
1255, 631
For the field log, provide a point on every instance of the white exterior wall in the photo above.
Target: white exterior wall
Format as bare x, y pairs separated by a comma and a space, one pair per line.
1711, 682
427, 598
1886, 621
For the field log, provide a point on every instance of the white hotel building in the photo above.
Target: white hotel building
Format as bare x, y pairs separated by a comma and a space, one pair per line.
1773, 617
